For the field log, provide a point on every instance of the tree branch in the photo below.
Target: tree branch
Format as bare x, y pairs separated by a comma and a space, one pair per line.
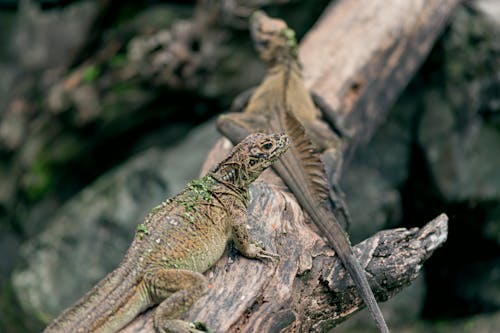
369, 51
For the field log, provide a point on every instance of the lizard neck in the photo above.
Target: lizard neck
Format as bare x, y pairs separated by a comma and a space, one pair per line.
233, 176
284, 72
286, 63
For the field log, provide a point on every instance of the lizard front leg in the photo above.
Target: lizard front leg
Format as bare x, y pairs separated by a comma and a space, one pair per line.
176, 290
242, 241
330, 116
241, 101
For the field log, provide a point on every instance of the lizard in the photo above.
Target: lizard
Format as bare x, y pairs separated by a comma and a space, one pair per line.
282, 103
179, 240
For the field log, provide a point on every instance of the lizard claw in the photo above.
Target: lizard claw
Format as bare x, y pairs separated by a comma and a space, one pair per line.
202, 327
262, 254
181, 326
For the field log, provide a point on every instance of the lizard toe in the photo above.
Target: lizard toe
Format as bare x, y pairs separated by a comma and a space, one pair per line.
181, 326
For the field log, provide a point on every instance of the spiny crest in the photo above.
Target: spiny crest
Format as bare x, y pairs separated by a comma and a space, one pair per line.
307, 153
273, 39
250, 157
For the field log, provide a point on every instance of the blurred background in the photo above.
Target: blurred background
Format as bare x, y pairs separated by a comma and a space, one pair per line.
107, 108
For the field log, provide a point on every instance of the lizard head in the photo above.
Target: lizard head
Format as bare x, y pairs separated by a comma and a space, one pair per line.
273, 39
250, 158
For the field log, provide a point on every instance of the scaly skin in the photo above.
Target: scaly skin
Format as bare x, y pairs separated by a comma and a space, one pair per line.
179, 240
281, 103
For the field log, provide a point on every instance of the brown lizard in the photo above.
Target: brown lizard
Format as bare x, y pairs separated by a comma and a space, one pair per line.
179, 240
282, 103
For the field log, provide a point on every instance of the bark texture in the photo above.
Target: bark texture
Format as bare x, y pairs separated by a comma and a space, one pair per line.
360, 55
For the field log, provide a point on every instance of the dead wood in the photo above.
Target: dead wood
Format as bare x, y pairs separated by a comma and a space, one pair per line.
357, 58
361, 54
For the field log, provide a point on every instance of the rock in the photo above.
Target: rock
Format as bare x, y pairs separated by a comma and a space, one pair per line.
491, 226
9, 243
372, 181
373, 203
485, 323
460, 158
90, 233
457, 129
458, 137
463, 166
478, 286
488, 8
50, 36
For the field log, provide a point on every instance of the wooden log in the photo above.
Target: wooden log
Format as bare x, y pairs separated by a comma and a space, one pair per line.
361, 54
368, 51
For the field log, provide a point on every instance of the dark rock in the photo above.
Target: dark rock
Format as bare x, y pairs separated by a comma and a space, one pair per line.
50, 36
373, 203
372, 180
9, 243
491, 226
478, 287
457, 137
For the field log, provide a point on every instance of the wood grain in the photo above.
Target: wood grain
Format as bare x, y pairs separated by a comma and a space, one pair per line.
361, 54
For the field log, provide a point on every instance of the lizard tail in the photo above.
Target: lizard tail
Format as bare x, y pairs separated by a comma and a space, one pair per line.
367, 294
337, 239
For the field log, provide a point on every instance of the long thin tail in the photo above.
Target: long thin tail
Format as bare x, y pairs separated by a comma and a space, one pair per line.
366, 293
329, 226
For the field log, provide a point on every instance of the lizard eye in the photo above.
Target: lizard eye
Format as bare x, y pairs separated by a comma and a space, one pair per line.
252, 162
267, 145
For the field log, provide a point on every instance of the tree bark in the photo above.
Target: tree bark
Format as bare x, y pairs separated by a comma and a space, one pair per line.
360, 55
368, 51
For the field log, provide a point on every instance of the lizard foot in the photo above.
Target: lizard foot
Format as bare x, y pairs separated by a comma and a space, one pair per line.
181, 326
202, 327
258, 252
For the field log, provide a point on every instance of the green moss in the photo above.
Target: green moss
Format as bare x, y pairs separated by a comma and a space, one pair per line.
201, 188
118, 61
123, 87
156, 209
291, 40
189, 216
39, 180
91, 74
142, 230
